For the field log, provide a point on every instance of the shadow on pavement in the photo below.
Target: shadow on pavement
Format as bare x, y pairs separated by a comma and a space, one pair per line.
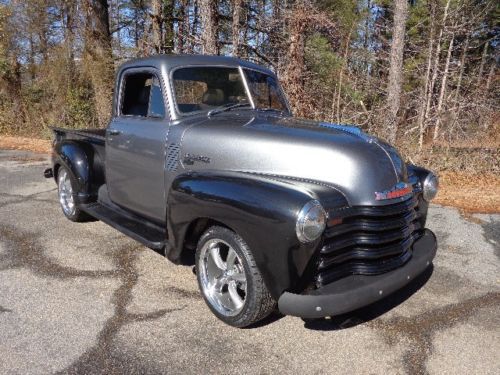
370, 312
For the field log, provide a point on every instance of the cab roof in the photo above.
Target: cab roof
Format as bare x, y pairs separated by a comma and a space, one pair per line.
170, 62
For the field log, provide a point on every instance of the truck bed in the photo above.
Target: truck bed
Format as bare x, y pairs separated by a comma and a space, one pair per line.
96, 135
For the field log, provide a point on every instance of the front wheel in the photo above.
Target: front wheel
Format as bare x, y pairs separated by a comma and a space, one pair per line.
229, 280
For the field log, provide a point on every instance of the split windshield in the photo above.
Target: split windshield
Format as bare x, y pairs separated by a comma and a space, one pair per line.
199, 89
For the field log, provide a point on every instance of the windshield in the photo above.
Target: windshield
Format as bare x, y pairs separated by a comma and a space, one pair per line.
265, 91
206, 88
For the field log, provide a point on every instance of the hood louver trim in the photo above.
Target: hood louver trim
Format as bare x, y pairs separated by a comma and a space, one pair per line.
172, 157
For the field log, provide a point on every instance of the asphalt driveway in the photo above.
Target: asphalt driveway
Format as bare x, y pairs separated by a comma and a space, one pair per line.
83, 298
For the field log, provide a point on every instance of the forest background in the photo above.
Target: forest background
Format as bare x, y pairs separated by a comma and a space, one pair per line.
423, 74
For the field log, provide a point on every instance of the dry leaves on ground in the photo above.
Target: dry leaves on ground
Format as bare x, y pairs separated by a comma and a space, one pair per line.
27, 144
470, 192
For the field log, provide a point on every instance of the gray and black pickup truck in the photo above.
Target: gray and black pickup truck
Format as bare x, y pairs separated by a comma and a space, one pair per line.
204, 162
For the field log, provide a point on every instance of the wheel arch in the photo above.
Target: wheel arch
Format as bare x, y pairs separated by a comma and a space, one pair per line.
194, 231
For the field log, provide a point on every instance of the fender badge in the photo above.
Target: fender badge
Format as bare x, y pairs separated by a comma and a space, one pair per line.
399, 190
189, 159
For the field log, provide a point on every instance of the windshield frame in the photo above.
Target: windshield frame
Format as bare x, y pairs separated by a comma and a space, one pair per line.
280, 88
243, 78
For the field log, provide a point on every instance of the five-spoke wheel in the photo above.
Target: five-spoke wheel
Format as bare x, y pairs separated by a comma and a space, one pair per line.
66, 192
223, 277
229, 279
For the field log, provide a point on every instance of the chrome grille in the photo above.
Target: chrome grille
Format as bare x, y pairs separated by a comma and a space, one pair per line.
369, 241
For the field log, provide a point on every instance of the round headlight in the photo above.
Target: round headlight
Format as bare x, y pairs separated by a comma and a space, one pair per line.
430, 187
311, 221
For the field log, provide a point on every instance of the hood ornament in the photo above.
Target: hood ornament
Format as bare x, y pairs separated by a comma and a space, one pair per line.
399, 190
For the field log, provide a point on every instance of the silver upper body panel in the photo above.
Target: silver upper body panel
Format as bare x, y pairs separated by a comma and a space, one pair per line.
248, 141
270, 143
167, 64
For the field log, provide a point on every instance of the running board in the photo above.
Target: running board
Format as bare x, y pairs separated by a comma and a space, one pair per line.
145, 232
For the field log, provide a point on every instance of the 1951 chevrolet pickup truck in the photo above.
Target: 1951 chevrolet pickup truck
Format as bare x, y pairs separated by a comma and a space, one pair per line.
203, 161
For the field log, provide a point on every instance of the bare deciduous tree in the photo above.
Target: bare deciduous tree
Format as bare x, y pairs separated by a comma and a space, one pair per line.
396, 67
209, 26
98, 56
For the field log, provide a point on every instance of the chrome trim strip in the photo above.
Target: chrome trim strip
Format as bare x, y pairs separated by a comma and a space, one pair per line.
247, 89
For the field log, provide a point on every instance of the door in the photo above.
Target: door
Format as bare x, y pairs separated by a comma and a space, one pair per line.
135, 145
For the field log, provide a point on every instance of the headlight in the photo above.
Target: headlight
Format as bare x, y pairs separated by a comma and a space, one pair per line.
311, 221
430, 187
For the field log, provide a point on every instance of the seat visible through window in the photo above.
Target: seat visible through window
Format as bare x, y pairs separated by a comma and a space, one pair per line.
142, 96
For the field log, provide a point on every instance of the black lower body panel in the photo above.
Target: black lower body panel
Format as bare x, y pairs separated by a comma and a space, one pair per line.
356, 291
139, 229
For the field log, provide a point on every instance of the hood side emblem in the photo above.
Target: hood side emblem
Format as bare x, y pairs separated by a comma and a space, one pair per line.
399, 190
189, 159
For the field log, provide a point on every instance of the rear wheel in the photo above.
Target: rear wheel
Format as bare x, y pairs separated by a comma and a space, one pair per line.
66, 192
229, 280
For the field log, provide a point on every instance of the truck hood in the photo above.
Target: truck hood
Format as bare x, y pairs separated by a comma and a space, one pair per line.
341, 157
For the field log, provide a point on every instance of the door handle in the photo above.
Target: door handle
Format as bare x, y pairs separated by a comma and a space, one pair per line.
114, 132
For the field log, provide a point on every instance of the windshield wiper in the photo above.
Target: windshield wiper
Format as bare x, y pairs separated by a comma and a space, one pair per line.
225, 108
269, 109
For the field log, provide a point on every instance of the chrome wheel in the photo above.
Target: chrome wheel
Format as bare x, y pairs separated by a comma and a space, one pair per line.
66, 193
222, 277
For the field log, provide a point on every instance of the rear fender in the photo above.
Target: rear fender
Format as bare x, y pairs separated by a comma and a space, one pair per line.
74, 157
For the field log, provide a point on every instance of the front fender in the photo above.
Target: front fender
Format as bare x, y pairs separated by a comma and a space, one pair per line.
262, 210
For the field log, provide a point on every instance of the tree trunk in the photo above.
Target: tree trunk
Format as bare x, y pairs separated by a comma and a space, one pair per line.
435, 67
236, 27
40, 23
396, 67
425, 91
456, 105
69, 10
31, 57
293, 77
209, 26
157, 25
168, 25
275, 35
98, 57
491, 74
462, 68
341, 74
183, 26
443, 89
483, 60
194, 26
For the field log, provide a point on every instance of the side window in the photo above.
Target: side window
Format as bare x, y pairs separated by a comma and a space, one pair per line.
156, 105
142, 96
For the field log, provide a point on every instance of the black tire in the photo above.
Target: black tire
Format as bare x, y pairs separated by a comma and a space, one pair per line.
258, 303
76, 215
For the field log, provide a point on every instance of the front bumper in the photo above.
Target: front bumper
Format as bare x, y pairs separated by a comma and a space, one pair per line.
353, 292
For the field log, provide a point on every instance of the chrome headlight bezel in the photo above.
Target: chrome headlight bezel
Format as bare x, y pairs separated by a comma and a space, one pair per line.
311, 222
430, 187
